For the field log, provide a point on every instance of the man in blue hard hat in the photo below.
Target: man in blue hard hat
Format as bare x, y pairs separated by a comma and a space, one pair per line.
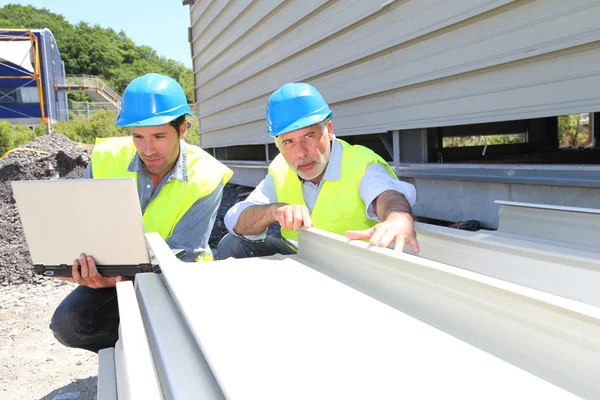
180, 187
318, 180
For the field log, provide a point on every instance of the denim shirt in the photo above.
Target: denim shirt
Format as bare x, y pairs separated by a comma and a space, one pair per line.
193, 230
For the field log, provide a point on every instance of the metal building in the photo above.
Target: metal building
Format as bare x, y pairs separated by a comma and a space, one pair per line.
30, 65
403, 75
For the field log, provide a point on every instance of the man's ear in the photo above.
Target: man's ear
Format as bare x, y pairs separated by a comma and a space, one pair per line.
183, 129
330, 129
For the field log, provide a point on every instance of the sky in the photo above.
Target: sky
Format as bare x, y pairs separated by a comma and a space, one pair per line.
160, 24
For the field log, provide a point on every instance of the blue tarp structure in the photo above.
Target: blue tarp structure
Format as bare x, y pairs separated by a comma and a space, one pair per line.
30, 65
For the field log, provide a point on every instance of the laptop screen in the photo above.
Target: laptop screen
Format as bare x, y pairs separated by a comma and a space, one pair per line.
98, 217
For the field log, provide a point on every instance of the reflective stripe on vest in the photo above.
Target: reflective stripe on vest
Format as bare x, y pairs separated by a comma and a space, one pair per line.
339, 207
111, 158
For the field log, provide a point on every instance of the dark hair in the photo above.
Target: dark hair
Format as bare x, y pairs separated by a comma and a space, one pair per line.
177, 122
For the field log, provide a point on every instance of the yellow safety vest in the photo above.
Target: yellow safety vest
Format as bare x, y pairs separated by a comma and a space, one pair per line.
339, 207
111, 158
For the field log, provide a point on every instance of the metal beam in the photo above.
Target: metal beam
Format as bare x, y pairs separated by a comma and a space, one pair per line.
107, 378
386, 143
548, 266
549, 336
265, 323
548, 175
396, 144
136, 374
564, 224
182, 368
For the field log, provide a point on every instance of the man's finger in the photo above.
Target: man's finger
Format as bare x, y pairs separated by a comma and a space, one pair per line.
306, 221
65, 278
297, 223
289, 218
378, 232
400, 242
387, 238
85, 273
96, 279
414, 244
75, 272
359, 235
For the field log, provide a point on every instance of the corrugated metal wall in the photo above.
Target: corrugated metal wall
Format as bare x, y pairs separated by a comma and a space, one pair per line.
395, 64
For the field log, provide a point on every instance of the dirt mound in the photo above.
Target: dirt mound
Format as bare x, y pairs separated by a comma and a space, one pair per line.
56, 157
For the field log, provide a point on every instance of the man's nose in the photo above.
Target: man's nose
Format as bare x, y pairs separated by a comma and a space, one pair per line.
302, 150
149, 148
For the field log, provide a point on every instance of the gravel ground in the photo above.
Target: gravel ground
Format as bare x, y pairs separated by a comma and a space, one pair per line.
33, 365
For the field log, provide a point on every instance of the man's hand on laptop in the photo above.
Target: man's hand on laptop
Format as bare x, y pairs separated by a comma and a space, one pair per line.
89, 275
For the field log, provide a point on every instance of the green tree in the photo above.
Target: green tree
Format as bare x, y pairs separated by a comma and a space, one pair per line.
570, 133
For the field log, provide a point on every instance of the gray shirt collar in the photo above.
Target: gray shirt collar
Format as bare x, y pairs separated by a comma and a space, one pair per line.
178, 172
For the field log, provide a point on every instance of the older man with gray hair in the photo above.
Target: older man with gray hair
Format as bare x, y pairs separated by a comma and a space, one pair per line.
318, 180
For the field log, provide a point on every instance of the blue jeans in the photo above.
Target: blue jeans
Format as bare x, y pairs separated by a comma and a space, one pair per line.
238, 247
87, 319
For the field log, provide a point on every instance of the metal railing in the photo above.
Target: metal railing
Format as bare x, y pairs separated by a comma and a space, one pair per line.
87, 109
89, 83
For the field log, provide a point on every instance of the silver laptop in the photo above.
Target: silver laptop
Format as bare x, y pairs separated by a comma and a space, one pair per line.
98, 217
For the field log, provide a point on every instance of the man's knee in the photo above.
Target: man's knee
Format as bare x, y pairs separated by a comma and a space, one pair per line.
64, 326
237, 247
231, 246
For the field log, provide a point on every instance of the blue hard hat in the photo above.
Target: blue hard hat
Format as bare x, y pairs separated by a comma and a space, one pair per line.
295, 106
152, 99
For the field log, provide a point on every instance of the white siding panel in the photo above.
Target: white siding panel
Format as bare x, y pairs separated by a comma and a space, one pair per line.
450, 54
403, 23
466, 99
278, 22
412, 64
252, 133
250, 111
219, 26
544, 87
521, 33
197, 11
235, 30
200, 28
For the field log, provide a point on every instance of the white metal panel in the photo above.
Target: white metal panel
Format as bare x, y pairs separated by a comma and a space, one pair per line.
541, 87
204, 20
519, 33
136, 373
231, 30
107, 379
414, 64
277, 53
260, 35
273, 328
181, 367
197, 11
550, 266
543, 334
221, 21
382, 31
577, 225
562, 84
252, 133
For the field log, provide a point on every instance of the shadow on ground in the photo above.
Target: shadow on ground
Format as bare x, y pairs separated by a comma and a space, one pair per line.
81, 389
